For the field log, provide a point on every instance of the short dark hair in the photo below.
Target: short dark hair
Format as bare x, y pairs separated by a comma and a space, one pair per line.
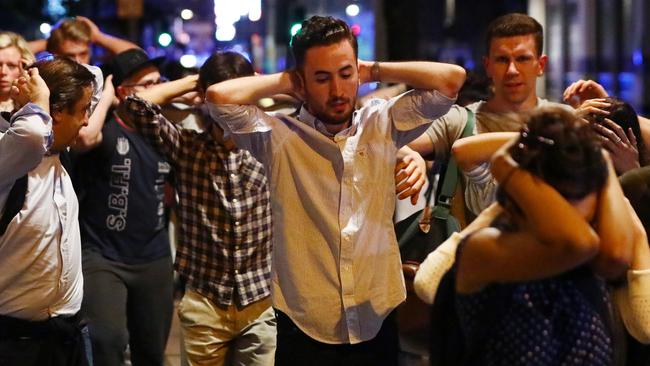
320, 31
66, 80
223, 66
515, 24
68, 29
559, 148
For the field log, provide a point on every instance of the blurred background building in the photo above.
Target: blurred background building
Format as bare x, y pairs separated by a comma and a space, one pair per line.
600, 39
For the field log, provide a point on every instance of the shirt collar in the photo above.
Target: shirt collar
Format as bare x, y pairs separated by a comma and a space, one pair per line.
305, 116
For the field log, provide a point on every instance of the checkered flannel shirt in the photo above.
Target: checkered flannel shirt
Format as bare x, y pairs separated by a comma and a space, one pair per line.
224, 238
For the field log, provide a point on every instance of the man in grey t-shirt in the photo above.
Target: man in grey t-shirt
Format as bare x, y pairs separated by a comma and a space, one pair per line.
514, 61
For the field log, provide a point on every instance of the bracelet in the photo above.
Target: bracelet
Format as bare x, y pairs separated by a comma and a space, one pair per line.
374, 71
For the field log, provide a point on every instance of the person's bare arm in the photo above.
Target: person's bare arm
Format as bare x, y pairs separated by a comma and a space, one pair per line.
555, 237
443, 77
250, 89
91, 135
475, 150
113, 44
613, 221
165, 92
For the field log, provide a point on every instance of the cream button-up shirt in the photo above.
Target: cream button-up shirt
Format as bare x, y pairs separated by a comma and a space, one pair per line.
40, 252
336, 265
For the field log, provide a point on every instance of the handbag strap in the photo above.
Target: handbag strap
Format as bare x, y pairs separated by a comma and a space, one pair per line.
442, 209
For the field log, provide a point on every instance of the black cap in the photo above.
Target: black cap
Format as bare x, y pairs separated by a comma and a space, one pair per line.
129, 62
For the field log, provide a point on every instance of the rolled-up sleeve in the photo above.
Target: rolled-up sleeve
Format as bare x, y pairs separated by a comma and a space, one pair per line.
239, 119
23, 142
412, 112
249, 127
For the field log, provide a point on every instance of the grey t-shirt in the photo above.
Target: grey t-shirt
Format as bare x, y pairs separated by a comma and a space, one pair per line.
444, 131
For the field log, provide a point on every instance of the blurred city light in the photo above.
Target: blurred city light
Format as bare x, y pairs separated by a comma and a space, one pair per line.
225, 33
187, 14
45, 28
188, 61
352, 10
164, 39
255, 10
295, 28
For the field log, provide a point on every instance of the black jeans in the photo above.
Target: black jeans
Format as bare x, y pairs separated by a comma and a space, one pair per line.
294, 347
127, 304
59, 341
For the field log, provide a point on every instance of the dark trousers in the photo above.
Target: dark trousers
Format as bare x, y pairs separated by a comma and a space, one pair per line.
127, 304
59, 341
294, 347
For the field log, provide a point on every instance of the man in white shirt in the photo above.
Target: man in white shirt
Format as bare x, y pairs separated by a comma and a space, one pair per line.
40, 251
336, 267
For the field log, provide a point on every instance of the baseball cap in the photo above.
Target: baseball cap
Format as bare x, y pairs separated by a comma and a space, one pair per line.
129, 62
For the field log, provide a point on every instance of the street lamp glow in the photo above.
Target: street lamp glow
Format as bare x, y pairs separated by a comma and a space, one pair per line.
164, 39
45, 28
295, 29
352, 10
187, 14
225, 33
188, 61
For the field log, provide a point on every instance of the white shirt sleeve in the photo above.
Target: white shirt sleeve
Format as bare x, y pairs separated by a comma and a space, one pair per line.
633, 302
23, 142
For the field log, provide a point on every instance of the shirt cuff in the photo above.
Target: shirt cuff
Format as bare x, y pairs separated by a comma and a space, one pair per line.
139, 107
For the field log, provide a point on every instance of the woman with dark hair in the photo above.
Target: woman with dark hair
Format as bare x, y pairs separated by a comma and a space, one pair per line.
527, 289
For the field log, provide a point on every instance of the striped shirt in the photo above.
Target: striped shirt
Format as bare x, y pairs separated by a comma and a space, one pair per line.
224, 241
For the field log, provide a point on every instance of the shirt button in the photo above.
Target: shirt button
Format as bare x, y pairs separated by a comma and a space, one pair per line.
234, 200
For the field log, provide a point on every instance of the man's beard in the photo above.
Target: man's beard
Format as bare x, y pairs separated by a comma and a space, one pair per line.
336, 120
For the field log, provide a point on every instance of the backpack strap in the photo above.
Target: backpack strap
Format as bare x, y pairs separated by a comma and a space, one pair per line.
450, 182
15, 202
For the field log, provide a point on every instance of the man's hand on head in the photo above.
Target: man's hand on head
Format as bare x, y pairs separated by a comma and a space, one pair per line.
95, 33
30, 87
365, 71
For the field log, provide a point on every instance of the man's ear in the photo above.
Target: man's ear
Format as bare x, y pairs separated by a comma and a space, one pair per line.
299, 82
55, 116
120, 92
486, 64
542, 64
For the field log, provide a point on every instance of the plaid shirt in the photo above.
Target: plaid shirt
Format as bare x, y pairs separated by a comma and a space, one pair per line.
224, 213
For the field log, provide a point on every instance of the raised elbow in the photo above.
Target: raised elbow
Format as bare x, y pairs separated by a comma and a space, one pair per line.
217, 95
87, 142
455, 80
583, 246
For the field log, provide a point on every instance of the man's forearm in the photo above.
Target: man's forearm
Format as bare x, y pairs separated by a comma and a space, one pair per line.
91, 135
113, 44
445, 78
248, 90
165, 92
